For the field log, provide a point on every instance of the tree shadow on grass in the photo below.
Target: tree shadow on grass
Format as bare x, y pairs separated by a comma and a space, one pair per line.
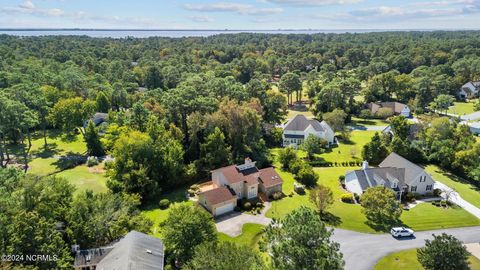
331, 219
380, 226
50, 151
69, 160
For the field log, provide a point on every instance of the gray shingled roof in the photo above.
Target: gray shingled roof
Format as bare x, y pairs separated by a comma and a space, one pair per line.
411, 169
376, 174
136, 251
300, 123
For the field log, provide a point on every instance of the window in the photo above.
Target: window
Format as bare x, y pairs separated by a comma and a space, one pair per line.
429, 187
413, 188
423, 178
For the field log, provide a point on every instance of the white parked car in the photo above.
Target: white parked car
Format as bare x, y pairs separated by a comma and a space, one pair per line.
401, 232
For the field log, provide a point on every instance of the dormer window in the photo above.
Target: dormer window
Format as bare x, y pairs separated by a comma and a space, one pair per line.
394, 184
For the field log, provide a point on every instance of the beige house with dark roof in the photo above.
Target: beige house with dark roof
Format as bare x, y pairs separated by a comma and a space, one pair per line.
235, 182
397, 108
394, 172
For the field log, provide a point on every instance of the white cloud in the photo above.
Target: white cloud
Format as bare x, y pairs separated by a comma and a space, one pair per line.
241, 9
27, 5
201, 18
314, 2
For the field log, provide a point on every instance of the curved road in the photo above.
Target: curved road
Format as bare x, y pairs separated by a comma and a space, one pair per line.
361, 251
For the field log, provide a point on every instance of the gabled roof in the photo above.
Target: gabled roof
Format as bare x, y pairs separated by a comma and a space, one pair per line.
234, 175
136, 251
372, 177
300, 123
218, 195
396, 107
412, 170
269, 177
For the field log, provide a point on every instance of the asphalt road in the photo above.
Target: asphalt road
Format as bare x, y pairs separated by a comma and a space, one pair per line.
362, 251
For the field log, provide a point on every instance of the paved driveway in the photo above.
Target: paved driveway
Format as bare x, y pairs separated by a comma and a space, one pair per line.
362, 251
231, 224
458, 200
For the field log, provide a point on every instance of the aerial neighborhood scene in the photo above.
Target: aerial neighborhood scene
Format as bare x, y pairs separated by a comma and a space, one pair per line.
212, 135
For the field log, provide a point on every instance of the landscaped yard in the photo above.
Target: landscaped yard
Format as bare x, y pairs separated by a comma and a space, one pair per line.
157, 215
350, 151
462, 108
292, 113
369, 122
251, 234
466, 190
49, 161
349, 216
407, 260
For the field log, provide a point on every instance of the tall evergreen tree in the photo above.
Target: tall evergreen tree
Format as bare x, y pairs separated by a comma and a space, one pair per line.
94, 145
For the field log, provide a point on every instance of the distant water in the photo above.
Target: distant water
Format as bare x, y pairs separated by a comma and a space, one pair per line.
162, 33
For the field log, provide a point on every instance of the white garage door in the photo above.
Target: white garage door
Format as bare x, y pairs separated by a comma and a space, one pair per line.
224, 209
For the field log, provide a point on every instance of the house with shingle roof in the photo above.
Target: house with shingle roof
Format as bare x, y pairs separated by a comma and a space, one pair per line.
397, 108
135, 250
296, 130
394, 172
235, 182
469, 90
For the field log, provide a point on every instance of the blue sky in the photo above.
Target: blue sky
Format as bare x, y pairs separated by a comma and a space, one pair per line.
246, 14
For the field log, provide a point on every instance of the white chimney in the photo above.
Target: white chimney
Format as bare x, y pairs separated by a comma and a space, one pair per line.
365, 165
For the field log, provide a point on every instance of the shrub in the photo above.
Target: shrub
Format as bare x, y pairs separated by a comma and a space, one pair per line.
247, 206
357, 197
341, 178
347, 198
437, 192
92, 161
307, 176
164, 203
365, 114
409, 197
191, 192
259, 205
296, 166
277, 195
237, 209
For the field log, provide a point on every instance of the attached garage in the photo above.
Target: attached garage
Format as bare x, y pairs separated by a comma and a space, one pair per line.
220, 210
218, 201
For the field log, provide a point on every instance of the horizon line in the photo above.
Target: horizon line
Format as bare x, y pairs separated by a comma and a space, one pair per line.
235, 30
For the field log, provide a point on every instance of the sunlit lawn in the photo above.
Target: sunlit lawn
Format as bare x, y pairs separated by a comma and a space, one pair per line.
369, 122
251, 234
350, 151
407, 260
466, 190
292, 113
462, 108
157, 215
85, 178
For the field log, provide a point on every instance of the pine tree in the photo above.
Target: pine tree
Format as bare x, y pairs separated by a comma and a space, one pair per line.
94, 145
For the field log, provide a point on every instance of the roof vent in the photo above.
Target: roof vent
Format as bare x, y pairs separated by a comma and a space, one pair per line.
148, 251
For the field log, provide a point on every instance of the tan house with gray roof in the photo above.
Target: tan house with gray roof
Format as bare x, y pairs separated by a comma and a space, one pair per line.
394, 172
296, 130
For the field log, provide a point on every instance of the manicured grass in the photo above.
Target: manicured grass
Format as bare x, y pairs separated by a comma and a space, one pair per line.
426, 216
466, 190
157, 215
369, 122
407, 260
349, 151
292, 113
349, 216
85, 178
462, 108
251, 234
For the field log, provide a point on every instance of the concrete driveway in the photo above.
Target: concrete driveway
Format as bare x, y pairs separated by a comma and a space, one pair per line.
362, 251
458, 200
231, 224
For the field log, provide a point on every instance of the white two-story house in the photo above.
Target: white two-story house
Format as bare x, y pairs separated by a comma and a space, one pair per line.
469, 90
296, 130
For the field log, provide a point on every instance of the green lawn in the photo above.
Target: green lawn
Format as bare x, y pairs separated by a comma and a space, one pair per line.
461, 108
157, 215
349, 216
85, 178
369, 122
426, 216
47, 161
292, 113
407, 260
466, 190
349, 151
251, 234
